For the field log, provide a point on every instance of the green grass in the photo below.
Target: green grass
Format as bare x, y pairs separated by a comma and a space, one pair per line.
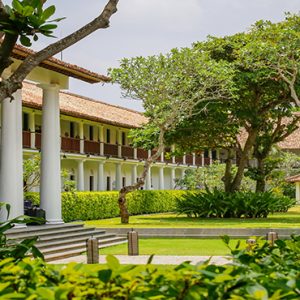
291, 219
170, 246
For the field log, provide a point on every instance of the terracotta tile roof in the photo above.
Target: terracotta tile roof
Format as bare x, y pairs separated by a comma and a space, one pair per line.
291, 142
295, 178
85, 108
62, 67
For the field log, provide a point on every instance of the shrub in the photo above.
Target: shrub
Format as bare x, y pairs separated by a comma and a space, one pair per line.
101, 205
218, 204
263, 272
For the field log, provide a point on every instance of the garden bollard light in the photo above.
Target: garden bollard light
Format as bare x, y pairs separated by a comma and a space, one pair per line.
272, 237
133, 242
92, 250
250, 244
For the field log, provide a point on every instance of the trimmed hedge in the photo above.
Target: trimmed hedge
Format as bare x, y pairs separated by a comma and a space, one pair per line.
101, 205
219, 204
262, 272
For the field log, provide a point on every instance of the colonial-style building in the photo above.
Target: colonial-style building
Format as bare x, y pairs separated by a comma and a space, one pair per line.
94, 144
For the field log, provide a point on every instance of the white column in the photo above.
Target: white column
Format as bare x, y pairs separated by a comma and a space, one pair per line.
133, 174
182, 173
80, 175
162, 157
210, 157
184, 159
134, 153
118, 176
101, 176
161, 178
298, 192
194, 159
119, 141
50, 155
81, 136
173, 177
32, 129
173, 157
101, 139
148, 180
11, 171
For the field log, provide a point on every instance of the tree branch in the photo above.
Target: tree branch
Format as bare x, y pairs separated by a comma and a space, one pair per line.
10, 85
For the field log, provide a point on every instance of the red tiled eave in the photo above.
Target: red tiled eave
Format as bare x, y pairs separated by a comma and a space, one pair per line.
85, 108
54, 64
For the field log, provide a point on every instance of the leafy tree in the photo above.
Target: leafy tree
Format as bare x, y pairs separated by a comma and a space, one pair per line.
170, 86
26, 20
262, 96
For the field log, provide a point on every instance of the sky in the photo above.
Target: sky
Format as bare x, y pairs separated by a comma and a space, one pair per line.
149, 27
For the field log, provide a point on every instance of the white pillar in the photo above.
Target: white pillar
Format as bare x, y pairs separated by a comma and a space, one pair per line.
148, 180
134, 153
298, 192
182, 173
173, 156
101, 176
173, 177
119, 141
50, 155
118, 176
11, 171
101, 139
202, 159
134, 174
184, 159
194, 159
81, 136
210, 157
161, 178
80, 175
32, 129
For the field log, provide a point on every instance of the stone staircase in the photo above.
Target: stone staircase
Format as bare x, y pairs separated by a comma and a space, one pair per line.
65, 240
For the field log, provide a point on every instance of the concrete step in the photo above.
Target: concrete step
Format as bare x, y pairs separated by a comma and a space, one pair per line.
33, 230
53, 233
57, 241
77, 251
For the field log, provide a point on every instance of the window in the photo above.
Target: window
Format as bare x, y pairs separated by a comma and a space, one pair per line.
123, 181
91, 133
72, 177
123, 138
26, 122
72, 129
214, 154
206, 153
108, 136
91, 183
108, 183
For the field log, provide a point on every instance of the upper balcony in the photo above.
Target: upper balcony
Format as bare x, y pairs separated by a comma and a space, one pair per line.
32, 140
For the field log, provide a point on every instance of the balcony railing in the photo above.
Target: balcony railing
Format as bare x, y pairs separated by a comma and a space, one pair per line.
111, 149
142, 153
26, 139
127, 152
70, 145
189, 159
38, 140
92, 147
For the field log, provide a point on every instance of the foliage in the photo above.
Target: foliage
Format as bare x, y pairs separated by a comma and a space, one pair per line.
210, 177
16, 250
101, 205
28, 18
219, 204
262, 272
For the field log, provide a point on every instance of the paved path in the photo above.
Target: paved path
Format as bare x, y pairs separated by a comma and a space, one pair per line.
157, 260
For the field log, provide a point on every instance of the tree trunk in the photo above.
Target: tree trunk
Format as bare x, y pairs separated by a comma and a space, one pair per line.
227, 179
245, 153
261, 180
124, 214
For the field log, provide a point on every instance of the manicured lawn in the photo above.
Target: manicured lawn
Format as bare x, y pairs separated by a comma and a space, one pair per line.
170, 246
291, 219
